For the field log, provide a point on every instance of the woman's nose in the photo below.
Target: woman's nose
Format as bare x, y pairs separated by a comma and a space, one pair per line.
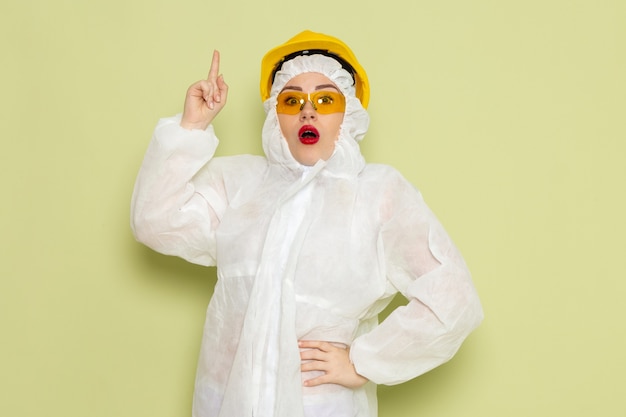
308, 111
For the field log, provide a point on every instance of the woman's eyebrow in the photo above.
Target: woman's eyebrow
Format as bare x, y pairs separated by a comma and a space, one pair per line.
319, 87
323, 86
290, 87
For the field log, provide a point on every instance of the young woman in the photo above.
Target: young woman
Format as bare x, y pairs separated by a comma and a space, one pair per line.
310, 244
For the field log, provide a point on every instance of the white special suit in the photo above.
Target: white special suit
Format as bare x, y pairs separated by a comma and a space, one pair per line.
303, 253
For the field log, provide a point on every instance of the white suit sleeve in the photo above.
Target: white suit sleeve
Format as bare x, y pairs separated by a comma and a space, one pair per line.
443, 308
174, 210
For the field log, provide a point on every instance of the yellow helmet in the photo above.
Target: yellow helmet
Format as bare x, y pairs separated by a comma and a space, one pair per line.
315, 43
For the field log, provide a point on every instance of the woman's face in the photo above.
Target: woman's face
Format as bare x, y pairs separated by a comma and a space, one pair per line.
310, 133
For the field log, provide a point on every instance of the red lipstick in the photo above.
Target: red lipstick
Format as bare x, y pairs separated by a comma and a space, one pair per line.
308, 135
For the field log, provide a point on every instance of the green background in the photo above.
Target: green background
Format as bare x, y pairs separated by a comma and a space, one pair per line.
508, 115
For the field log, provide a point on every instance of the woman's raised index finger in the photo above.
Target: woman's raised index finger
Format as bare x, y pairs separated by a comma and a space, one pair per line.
215, 66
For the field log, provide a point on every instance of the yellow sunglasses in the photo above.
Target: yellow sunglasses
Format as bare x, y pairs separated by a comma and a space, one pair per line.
324, 102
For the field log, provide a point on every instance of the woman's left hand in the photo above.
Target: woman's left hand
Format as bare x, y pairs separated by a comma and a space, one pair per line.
334, 361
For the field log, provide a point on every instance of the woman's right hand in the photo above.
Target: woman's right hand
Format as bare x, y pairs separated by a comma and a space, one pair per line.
205, 98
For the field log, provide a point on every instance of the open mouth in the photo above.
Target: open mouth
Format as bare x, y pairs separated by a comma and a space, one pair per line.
308, 135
